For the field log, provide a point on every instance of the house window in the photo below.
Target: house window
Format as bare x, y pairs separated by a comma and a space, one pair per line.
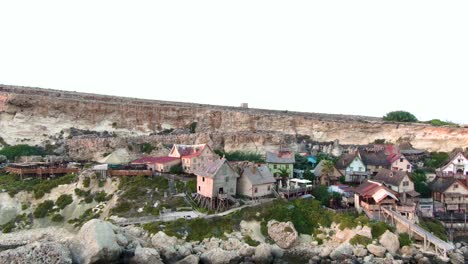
256, 190
269, 187
455, 186
401, 159
199, 188
203, 179
227, 179
405, 183
408, 167
361, 169
275, 167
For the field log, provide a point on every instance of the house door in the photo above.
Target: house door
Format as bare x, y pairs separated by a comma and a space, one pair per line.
221, 190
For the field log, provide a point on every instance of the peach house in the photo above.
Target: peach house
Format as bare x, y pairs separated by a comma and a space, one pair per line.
192, 156
215, 178
160, 164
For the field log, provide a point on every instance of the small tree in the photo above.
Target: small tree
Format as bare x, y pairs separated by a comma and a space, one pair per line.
284, 173
176, 169
400, 116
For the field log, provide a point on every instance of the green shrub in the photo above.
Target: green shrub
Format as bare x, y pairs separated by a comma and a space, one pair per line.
405, 240
13, 152
379, 228
45, 186
43, 209
193, 127
64, 200
82, 193
251, 242
57, 218
438, 122
146, 148
121, 208
101, 184
176, 169
360, 240
400, 116
102, 197
85, 217
435, 227
8, 227
86, 182
88, 199
241, 156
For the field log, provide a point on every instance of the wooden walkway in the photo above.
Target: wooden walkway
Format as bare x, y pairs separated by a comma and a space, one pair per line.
441, 247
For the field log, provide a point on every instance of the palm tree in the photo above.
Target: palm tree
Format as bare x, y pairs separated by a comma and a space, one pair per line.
284, 173
327, 168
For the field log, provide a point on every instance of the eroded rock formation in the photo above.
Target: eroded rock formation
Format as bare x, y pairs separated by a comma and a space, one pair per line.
29, 115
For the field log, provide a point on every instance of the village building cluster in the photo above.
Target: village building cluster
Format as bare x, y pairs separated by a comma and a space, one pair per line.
367, 177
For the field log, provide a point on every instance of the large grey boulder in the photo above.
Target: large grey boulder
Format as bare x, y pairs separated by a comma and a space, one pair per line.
96, 242
166, 245
456, 258
377, 251
191, 259
219, 256
390, 241
263, 254
360, 252
284, 234
37, 253
146, 256
342, 251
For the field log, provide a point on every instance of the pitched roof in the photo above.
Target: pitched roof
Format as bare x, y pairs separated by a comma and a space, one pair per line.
442, 184
375, 190
187, 151
452, 157
256, 173
378, 158
344, 161
211, 168
283, 157
318, 171
119, 156
154, 160
391, 177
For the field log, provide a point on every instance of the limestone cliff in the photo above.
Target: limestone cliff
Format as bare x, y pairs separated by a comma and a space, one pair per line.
31, 115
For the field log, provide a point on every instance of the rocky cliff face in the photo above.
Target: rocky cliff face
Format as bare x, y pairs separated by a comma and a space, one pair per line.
30, 115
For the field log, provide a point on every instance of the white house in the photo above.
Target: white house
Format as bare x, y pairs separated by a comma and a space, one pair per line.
457, 166
352, 167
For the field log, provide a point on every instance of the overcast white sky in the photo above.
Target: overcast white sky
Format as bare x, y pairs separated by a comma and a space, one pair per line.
348, 57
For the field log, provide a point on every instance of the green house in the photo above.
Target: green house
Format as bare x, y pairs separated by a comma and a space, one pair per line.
278, 161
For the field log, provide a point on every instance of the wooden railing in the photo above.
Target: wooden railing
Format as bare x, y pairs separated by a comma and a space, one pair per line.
130, 172
370, 207
41, 171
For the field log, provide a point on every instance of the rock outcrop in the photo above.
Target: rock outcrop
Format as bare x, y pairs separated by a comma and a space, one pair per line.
146, 256
390, 241
284, 234
37, 253
24, 111
96, 241
378, 251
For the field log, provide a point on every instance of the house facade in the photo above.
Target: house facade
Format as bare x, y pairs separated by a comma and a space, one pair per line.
457, 167
371, 195
216, 178
159, 164
375, 158
449, 195
400, 163
327, 178
255, 180
399, 182
281, 160
192, 156
352, 167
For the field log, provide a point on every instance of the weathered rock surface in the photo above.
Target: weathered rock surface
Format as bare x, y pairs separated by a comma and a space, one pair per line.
378, 251
284, 234
263, 254
390, 241
342, 251
219, 256
191, 259
146, 256
360, 252
166, 245
96, 241
37, 253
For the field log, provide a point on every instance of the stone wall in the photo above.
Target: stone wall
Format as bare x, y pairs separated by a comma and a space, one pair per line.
29, 115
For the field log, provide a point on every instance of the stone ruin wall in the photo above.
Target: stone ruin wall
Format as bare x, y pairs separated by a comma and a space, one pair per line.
35, 112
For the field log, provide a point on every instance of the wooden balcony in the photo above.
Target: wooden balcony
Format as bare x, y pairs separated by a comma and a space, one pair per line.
370, 207
40, 171
130, 172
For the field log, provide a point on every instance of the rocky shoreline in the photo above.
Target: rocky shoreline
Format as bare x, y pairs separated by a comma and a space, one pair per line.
102, 242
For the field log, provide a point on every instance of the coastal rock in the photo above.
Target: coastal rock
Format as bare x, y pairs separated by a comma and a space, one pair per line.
342, 251
345, 235
456, 258
378, 251
407, 251
232, 244
246, 251
95, 242
390, 241
219, 256
360, 252
263, 254
191, 259
365, 232
325, 252
37, 253
369, 259
146, 256
284, 234
166, 245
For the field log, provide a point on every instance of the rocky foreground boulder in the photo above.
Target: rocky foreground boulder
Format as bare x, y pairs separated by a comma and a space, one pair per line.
37, 253
284, 234
390, 241
146, 256
96, 241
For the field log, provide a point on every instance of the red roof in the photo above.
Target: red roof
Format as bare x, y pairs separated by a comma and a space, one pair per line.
154, 160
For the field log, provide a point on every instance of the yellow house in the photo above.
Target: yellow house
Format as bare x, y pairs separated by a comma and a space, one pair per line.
279, 161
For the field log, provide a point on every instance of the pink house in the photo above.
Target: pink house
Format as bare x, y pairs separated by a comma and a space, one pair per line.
216, 178
192, 156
